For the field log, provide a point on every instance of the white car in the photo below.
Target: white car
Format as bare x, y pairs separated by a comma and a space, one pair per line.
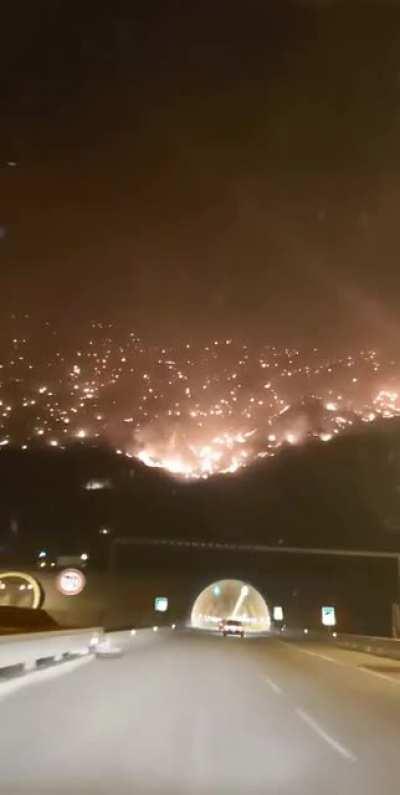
233, 628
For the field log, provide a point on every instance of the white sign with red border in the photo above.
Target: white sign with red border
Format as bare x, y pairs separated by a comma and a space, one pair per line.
71, 582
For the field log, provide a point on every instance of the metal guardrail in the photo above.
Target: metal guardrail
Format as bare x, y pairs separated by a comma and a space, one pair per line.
27, 649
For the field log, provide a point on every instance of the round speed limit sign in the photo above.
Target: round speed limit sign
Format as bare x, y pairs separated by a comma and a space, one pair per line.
70, 582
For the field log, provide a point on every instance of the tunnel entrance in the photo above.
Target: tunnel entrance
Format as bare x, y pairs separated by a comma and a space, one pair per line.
19, 589
230, 599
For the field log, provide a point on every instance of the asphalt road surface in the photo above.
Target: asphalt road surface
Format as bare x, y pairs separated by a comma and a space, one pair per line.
183, 712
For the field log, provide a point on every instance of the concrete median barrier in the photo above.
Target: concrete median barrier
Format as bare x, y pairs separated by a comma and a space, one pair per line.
25, 650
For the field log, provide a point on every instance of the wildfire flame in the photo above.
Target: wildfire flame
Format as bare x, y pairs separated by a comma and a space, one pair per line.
222, 454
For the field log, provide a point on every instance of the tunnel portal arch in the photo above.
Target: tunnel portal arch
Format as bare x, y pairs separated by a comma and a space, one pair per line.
230, 599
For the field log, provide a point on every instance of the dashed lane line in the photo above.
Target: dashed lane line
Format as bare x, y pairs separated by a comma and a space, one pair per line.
338, 747
273, 685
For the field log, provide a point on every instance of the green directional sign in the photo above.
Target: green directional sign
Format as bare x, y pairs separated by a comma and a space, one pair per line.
328, 616
161, 604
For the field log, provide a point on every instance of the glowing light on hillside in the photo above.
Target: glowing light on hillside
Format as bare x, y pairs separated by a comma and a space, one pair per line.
196, 410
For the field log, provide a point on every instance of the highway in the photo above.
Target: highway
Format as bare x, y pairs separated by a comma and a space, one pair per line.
186, 712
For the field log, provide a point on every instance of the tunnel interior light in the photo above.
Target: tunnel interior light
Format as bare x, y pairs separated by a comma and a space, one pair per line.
244, 592
277, 613
155, 629
306, 631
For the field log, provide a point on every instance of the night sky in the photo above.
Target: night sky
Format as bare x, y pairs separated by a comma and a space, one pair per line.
190, 168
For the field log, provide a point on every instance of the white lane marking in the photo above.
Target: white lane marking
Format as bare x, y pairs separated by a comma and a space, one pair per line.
346, 665
325, 736
322, 656
379, 675
316, 654
273, 685
37, 677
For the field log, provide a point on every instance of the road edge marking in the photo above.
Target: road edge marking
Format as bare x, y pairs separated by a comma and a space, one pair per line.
344, 664
379, 675
315, 654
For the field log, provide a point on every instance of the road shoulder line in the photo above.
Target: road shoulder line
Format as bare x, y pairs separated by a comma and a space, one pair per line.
362, 668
